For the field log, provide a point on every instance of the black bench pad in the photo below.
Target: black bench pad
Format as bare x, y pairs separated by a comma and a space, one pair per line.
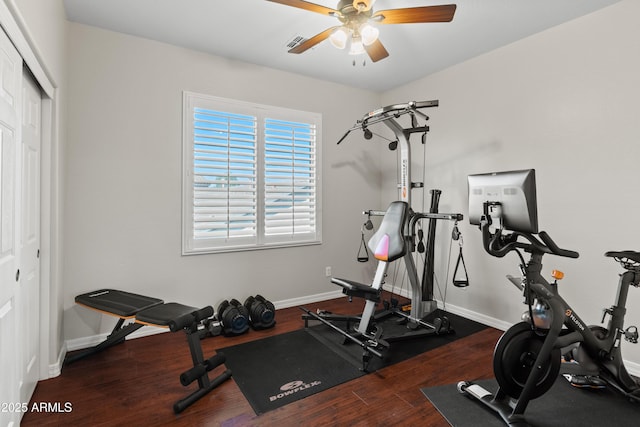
349, 287
120, 303
164, 314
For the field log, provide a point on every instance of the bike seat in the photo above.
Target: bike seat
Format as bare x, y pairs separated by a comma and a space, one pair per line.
626, 258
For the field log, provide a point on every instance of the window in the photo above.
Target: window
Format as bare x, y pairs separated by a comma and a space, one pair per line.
251, 176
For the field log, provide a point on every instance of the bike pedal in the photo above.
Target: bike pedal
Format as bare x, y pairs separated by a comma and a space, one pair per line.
585, 381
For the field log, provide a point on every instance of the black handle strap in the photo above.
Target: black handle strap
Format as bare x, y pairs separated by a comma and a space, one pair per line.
464, 281
363, 253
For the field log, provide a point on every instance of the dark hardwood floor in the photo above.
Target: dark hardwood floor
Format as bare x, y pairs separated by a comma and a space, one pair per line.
136, 383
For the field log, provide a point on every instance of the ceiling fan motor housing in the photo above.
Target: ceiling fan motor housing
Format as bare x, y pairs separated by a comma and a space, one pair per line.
362, 5
350, 15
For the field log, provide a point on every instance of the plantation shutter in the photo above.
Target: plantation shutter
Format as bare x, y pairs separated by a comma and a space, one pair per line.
290, 178
251, 176
224, 175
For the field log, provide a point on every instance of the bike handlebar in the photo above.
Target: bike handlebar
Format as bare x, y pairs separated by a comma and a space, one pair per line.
555, 249
499, 244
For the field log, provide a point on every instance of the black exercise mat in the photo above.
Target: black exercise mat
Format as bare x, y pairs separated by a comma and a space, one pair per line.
278, 370
281, 369
563, 405
399, 350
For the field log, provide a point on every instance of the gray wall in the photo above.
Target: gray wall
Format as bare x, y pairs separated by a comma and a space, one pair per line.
123, 175
564, 102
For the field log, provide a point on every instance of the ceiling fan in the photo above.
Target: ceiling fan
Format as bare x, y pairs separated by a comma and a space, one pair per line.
358, 29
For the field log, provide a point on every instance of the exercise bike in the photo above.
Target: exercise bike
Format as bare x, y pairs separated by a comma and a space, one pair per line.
527, 358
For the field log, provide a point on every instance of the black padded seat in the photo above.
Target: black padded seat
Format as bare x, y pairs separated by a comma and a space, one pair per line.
632, 255
115, 302
164, 314
356, 289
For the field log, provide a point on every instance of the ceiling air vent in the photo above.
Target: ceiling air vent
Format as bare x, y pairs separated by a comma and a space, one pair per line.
295, 42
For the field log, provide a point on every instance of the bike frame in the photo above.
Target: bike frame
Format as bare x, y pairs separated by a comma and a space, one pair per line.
604, 351
566, 328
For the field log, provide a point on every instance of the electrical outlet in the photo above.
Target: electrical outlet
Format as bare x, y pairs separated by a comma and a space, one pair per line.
327, 271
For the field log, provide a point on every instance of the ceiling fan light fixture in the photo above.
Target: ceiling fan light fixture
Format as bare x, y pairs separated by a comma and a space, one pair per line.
356, 48
368, 33
339, 38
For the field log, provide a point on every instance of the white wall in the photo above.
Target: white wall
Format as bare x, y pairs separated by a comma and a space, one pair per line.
564, 102
46, 23
123, 175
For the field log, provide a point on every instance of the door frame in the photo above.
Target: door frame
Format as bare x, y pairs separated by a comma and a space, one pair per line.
15, 27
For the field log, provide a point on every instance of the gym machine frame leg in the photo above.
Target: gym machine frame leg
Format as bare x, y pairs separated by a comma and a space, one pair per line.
368, 348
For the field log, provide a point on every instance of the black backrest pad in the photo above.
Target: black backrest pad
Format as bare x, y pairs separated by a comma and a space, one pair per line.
387, 244
120, 303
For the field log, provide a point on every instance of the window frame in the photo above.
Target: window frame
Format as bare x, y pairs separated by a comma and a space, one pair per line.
192, 245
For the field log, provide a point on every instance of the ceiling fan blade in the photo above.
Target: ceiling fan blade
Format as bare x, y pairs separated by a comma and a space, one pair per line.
307, 44
301, 4
376, 51
412, 15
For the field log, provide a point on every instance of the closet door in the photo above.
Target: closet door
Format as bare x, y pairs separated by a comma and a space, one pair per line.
29, 247
10, 186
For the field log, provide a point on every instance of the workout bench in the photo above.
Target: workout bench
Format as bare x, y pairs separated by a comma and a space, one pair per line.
143, 310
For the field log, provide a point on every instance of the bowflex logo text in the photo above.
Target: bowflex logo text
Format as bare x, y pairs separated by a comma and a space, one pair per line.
293, 387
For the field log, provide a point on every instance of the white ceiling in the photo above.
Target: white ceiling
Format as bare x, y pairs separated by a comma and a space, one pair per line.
257, 31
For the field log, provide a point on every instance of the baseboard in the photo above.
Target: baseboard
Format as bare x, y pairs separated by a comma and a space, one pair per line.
54, 369
293, 302
475, 316
472, 315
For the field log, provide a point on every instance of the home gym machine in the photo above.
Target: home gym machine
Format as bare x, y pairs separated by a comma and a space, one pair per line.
396, 239
527, 358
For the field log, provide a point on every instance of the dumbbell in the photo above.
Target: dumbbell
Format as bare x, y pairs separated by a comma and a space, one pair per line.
261, 312
232, 319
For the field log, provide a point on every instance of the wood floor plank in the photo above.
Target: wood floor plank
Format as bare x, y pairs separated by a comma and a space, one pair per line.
137, 382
